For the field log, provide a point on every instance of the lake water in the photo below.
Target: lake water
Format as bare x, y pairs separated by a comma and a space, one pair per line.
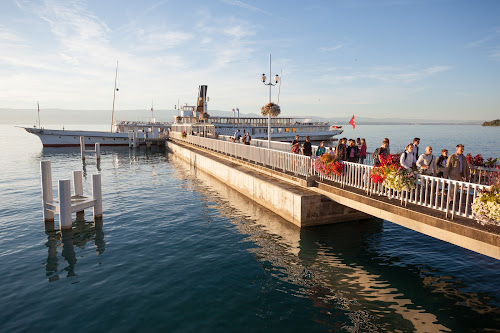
181, 252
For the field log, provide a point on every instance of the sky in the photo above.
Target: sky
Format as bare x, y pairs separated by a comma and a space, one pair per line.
433, 59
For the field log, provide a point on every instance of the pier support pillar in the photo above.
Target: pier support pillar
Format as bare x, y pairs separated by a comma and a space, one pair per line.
78, 188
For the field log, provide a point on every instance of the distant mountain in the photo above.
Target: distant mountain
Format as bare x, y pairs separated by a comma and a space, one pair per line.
88, 117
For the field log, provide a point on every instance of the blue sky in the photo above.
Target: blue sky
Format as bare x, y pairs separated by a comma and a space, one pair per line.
389, 58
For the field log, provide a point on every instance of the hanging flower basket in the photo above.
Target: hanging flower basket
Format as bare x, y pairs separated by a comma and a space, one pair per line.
183, 134
270, 108
486, 206
326, 166
400, 179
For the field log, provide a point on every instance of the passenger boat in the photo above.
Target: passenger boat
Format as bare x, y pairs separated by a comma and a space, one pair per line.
196, 121
120, 136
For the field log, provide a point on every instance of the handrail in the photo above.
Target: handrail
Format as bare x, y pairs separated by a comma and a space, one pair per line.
454, 198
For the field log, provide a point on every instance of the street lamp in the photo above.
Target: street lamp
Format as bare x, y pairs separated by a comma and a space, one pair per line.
270, 84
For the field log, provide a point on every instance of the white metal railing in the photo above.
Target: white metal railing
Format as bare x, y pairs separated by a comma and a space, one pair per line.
274, 159
445, 195
449, 196
284, 146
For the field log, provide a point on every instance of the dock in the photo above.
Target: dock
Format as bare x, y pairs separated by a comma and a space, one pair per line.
286, 184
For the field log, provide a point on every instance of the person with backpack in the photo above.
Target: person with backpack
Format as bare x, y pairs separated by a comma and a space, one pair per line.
341, 149
381, 151
441, 163
407, 159
296, 145
425, 162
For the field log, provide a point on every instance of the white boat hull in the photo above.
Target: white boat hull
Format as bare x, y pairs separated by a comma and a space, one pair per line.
71, 138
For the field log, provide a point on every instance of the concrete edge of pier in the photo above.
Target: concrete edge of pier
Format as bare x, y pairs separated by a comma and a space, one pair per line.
299, 202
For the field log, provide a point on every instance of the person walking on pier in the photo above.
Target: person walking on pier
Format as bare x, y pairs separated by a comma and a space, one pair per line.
381, 151
425, 162
407, 159
247, 138
352, 152
362, 151
307, 147
237, 136
296, 145
341, 149
321, 149
416, 142
456, 165
441, 163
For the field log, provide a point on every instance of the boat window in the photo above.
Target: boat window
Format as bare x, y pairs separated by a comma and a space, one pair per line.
294, 130
286, 130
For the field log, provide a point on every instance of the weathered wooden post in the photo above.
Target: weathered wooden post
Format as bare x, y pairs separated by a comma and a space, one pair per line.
78, 189
98, 151
46, 171
65, 204
97, 195
82, 147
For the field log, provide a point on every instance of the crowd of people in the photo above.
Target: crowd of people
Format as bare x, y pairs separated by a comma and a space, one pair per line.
454, 166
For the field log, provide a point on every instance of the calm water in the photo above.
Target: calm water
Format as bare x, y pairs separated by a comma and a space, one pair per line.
179, 251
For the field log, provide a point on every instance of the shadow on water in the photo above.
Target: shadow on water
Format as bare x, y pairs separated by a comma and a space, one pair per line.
342, 271
81, 234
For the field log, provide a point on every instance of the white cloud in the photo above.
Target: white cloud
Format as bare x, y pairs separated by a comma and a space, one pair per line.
245, 5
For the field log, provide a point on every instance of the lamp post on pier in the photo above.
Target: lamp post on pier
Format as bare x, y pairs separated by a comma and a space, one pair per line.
270, 84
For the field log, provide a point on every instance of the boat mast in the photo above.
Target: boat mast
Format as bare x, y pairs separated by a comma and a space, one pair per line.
37, 103
114, 95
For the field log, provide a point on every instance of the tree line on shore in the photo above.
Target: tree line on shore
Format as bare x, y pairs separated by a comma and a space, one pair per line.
492, 123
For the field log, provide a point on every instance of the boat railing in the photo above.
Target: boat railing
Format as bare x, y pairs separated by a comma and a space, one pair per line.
454, 198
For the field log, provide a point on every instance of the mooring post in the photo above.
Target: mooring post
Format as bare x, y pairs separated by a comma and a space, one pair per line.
97, 195
65, 204
130, 139
82, 147
78, 188
78, 181
46, 172
98, 151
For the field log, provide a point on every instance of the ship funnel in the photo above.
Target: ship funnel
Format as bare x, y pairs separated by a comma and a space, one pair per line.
202, 98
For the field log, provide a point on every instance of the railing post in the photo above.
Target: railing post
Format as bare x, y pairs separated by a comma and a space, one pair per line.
65, 204
46, 175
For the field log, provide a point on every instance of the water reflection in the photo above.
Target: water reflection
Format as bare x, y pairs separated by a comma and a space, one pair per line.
345, 273
82, 233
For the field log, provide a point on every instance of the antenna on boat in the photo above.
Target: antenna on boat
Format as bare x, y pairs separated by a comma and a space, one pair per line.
114, 95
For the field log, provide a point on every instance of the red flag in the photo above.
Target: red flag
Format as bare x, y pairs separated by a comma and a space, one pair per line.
352, 122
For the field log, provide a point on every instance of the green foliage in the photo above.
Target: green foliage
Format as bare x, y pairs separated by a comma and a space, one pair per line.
492, 123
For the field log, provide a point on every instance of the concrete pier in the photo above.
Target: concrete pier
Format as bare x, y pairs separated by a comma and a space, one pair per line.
297, 204
304, 201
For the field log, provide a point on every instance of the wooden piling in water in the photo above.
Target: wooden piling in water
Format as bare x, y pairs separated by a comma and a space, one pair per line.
46, 176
